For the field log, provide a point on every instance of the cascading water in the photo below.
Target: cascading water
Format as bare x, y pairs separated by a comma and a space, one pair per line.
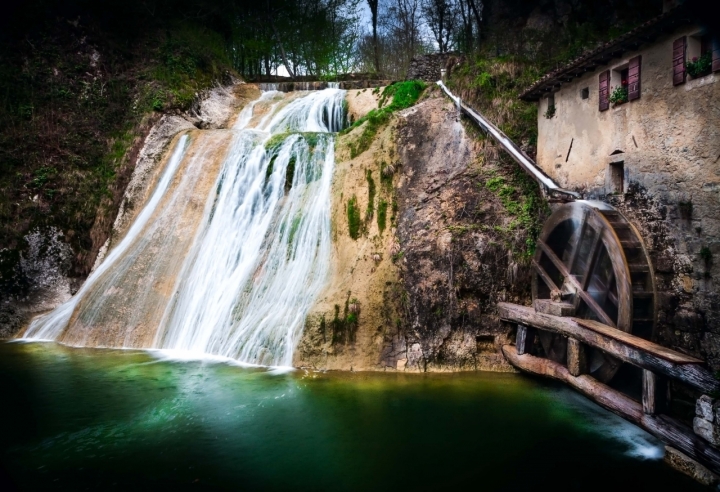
234, 275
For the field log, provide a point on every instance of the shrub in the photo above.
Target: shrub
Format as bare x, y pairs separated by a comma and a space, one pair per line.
353, 215
699, 66
382, 215
619, 95
404, 94
371, 196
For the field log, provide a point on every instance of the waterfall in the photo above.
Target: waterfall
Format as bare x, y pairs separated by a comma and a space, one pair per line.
234, 273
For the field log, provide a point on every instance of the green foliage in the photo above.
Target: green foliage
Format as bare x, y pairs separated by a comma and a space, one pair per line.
294, 226
385, 178
42, 176
619, 95
698, 67
272, 146
191, 58
404, 94
270, 169
371, 196
550, 111
381, 215
70, 111
483, 81
344, 328
353, 216
290, 173
519, 196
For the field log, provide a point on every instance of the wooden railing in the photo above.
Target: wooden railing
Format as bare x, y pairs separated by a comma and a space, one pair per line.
655, 361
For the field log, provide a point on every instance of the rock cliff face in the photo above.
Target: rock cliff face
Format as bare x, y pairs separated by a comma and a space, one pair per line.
424, 290
44, 268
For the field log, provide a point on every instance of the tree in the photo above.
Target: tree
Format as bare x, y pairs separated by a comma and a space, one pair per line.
402, 23
441, 18
374, 12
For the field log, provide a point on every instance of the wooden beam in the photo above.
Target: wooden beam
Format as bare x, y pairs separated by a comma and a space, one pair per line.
637, 342
580, 291
576, 361
663, 427
524, 339
626, 347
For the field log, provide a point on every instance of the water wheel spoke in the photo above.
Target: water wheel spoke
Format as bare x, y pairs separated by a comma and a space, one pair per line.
592, 259
544, 276
613, 298
579, 234
594, 306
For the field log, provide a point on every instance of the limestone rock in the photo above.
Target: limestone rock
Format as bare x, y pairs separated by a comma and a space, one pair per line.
706, 430
704, 408
688, 466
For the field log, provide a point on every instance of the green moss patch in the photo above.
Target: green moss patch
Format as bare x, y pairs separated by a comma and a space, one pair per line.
403, 94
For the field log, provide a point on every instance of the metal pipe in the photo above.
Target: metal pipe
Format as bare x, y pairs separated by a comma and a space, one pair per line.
515, 152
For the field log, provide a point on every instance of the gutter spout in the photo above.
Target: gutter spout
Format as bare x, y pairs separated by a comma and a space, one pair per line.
528, 165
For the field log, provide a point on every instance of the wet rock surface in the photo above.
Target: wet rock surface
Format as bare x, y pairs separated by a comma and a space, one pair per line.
427, 287
454, 265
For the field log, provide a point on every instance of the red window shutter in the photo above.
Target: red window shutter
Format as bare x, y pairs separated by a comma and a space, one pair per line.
679, 61
715, 55
634, 78
605, 90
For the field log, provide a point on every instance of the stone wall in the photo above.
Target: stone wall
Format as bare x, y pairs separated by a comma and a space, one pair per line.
427, 67
668, 142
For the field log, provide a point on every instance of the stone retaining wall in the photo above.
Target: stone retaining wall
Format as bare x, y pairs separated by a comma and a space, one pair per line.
427, 67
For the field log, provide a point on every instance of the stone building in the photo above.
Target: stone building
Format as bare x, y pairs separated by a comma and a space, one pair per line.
636, 123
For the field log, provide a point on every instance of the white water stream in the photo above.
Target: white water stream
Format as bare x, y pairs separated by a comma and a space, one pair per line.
254, 264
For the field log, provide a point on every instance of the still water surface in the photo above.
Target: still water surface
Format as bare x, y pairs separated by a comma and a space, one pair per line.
92, 419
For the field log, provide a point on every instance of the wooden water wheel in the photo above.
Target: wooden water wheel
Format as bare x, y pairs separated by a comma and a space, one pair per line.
591, 263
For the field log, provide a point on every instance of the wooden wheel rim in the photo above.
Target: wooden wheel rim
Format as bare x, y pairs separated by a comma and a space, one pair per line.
603, 285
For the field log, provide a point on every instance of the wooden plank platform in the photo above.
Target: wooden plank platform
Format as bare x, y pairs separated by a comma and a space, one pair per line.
624, 346
639, 343
661, 426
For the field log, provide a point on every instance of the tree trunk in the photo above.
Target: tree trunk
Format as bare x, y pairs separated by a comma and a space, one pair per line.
478, 16
374, 11
282, 49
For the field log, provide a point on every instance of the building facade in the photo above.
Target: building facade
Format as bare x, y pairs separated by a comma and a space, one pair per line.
636, 123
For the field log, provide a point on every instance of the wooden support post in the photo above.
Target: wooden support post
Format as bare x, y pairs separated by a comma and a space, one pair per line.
649, 390
654, 393
663, 427
524, 339
576, 360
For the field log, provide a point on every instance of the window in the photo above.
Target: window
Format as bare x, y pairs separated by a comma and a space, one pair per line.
699, 55
617, 177
625, 82
550, 112
585, 93
624, 77
619, 85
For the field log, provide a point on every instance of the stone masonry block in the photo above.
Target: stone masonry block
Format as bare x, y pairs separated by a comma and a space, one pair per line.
704, 408
689, 467
706, 430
